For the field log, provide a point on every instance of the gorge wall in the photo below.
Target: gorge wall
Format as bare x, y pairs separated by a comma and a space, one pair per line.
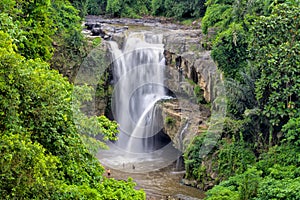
188, 66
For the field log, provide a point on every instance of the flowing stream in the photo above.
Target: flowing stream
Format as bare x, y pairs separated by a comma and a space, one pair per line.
143, 151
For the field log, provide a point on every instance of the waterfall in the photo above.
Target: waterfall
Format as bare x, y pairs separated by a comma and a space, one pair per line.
138, 75
181, 136
180, 162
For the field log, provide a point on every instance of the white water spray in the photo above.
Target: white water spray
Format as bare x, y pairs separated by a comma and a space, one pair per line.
138, 76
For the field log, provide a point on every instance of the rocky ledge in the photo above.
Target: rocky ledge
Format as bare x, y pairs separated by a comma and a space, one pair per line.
189, 65
109, 28
183, 120
185, 52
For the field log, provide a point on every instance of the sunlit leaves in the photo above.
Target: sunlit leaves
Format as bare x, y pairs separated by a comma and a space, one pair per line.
243, 186
275, 52
230, 50
292, 131
216, 15
113, 190
37, 25
178, 9
26, 169
91, 126
275, 176
114, 7
41, 153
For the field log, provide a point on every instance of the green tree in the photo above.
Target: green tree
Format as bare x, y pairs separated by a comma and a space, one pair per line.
183, 9
97, 7
291, 131
157, 7
38, 27
217, 15
89, 127
42, 155
199, 8
83, 6
70, 47
27, 171
114, 7
230, 50
239, 187
275, 53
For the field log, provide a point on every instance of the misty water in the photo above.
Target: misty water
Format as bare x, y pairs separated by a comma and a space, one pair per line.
143, 151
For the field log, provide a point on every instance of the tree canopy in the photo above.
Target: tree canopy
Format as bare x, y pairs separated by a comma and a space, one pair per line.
47, 143
256, 46
44, 154
178, 9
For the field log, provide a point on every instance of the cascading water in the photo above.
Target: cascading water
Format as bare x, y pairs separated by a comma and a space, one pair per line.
138, 76
180, 162
138, 79
181, 136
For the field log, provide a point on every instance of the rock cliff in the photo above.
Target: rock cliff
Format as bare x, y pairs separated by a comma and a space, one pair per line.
184, 52
188, 67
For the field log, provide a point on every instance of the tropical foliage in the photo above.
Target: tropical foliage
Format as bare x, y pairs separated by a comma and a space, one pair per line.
138, 8
44, 153
256, 45
47, 142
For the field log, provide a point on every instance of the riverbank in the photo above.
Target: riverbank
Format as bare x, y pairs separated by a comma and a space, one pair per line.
163, 184
167, 23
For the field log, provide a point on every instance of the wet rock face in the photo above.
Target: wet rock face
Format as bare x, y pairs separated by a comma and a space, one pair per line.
184, 53
110, 29
188, 65
183, 120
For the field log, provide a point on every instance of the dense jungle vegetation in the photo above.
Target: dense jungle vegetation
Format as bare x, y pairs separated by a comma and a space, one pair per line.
42, 153
256, 45
178, 9
45, 152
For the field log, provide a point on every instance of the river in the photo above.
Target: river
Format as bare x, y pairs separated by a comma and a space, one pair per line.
159, 183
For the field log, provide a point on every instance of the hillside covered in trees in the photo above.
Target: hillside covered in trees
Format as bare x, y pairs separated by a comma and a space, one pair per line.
256, 45
42, 154
178, 9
